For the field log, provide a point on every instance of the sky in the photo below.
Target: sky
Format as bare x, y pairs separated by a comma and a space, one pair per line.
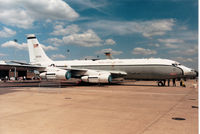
79, 29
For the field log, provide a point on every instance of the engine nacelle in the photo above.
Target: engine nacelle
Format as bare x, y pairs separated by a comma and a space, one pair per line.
101, 78
56, 75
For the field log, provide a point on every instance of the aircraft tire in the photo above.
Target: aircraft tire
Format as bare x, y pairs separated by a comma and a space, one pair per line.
160, 83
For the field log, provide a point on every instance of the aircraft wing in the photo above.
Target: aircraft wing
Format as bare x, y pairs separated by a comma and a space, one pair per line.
77, 73
18, 62
19, 67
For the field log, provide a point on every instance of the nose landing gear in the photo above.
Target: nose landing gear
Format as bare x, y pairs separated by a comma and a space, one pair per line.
161, 83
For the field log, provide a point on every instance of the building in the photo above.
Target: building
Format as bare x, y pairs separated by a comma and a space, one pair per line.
16, 71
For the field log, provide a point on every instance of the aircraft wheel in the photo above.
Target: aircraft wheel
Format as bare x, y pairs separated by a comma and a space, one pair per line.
160, 83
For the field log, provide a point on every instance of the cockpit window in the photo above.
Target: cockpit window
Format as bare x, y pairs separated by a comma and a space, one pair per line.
174, 64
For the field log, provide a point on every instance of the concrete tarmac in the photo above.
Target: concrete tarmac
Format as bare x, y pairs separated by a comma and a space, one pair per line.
132, 108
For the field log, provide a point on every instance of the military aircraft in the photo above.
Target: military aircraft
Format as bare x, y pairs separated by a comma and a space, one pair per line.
105, 70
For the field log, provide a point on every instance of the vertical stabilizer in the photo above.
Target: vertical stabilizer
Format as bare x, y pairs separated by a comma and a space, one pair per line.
36, 53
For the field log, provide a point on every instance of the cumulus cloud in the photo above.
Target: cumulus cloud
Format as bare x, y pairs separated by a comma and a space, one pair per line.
86, 39
14, 45
146, 28
55, 41
6, 32
46, 48
155, 45
22, 13
61, 30
171, 40
58, 56
153, 33
24, 46
89, 57
113, 52
2, 54
168, 45
110, 42
184, 59
193, 50
143, 51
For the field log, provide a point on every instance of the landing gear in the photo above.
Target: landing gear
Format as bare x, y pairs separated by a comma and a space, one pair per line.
161, 83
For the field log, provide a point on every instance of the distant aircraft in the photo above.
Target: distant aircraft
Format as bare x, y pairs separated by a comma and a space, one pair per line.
105, 71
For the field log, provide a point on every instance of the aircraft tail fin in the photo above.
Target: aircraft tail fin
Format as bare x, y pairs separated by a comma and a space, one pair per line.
36, 52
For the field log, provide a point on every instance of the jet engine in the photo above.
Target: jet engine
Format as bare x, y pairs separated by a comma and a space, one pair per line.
58, 75
101, 78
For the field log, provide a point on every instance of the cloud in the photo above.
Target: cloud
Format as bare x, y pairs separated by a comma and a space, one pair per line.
86, 4
143, 51
23, 13
46, 48
2, 55
60, 30
58, 56
89, 57
171, 40
16, 17
146, 28
55, 41
184, 59
14, 45
110, 42
113, 52
155, 45
6, 32
24, 46
193, 50
153, 33
168, 45
86, 39
73, 35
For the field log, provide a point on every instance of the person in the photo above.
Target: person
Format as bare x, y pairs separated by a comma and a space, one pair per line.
164, 82
174, 82
181, 82
168, 82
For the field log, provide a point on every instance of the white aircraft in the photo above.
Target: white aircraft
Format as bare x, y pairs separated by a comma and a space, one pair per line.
107, 70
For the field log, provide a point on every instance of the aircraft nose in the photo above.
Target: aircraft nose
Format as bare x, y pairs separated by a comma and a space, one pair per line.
196, 73
191, 73
188, 72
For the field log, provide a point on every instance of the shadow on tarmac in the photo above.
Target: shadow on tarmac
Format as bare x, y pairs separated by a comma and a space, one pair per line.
64, 84
6, 91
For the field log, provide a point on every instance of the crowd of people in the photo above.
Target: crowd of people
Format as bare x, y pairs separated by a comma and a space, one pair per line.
174, 82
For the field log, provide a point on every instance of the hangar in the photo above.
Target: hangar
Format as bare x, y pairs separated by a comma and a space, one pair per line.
16, 71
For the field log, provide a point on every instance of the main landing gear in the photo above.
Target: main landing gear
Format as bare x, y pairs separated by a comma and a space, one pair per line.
161, 83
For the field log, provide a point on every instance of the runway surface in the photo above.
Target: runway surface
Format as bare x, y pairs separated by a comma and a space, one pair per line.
131, 108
